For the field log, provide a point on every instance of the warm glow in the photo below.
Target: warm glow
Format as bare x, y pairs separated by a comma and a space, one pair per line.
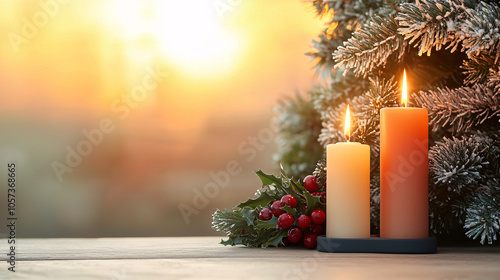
347, 127
190, 34
404, 94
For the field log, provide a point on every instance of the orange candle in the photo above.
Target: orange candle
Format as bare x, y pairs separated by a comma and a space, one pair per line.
404, 171
348, 191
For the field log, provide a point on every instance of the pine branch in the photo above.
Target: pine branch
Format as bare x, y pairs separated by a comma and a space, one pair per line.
457, 167
359, 12
332, 131
382, 93
343, 17
481, 30
324, 8
323, 48
228, 221
367, 132
365, 122
298, 127
483, 218
477, 68
429, 23
370, 46
494, 79
457, 163
461, 108
375, 203
341, 88
445, 216
438, 23
352, 13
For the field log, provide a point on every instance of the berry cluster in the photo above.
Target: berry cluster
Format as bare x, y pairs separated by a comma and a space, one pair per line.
301, 227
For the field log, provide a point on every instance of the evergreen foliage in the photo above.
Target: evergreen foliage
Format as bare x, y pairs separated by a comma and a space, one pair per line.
363, 50
242, 224
462, 108
298, 127
370, 46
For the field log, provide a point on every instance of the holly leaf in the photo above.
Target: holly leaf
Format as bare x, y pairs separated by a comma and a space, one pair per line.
260, 237
282, 171
232, 241
269, 224
269, 179
289, 209
297, 186
262, 200
249, 214
277, 187
275, 240
313, 203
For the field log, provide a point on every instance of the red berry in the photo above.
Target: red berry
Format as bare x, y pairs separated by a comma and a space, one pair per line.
285, 241
318, 217
310, 183
316, 193
317, 229
310, 240
289, 200
323, 197
285, 220
294, 235
276, 208
265, 214
303, 221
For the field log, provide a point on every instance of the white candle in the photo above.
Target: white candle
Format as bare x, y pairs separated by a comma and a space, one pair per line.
348, 188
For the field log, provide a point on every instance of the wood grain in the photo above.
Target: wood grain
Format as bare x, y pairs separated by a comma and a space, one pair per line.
203, 258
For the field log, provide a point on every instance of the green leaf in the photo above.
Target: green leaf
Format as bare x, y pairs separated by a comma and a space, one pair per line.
313, 203
280, 184
289, 209
297, 187
227, 242
275, 240
228, 221
270, 224
232, 241
282, 171
269, 179
260, 237
262, 200
249, 215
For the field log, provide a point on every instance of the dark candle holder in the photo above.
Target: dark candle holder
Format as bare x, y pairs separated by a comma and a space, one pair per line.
375, 244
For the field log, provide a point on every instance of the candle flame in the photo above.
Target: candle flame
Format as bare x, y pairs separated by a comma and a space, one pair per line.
347, 126
404, 95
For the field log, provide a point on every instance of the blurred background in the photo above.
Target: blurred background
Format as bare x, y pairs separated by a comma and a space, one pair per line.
124, 117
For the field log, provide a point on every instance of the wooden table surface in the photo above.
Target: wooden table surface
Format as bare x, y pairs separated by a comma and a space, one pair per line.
203, 258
